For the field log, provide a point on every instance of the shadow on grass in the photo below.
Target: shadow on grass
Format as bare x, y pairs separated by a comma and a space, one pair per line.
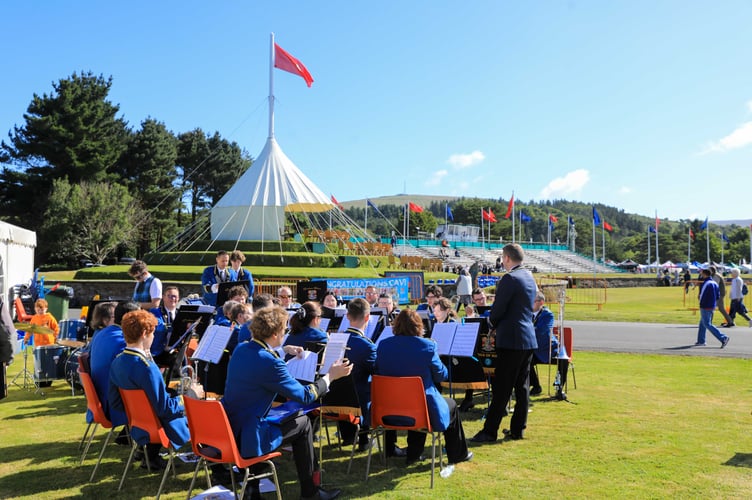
48, 407
740, 460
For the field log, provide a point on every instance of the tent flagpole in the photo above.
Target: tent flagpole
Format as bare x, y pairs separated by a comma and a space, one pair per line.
707, 239
513, 240
271, 87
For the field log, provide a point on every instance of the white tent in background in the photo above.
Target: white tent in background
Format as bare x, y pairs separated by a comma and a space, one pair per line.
254, 208
17, 247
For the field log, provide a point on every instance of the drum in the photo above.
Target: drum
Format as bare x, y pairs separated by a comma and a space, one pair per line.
71, 370
72, 333
49, 362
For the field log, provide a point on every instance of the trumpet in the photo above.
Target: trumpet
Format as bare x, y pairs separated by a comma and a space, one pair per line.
187, 379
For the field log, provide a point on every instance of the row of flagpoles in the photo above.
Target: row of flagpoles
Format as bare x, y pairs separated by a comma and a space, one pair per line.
488, 216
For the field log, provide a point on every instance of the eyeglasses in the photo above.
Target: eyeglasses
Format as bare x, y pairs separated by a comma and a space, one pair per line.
283, 296
173, 297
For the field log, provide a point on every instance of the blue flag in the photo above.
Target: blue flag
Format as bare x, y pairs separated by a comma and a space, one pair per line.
571, 221
551, 226
724, 237
704, 224
596, 217
524, 217
370, 204
449, 214
651, 229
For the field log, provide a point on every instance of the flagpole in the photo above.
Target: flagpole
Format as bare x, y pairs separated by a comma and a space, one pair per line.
723, 240
365, 224
603, 240
568, 224
482, 227
513, 220
707, 239
657, 258
271, 87
594, 256
689, 245
446, 219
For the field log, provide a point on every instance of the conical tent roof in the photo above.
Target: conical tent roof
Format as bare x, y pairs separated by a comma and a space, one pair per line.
254, 207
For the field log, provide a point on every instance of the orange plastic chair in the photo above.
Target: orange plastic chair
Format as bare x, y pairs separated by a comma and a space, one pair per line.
399, 403
21, 315
213, 441
569, 346
99, 418
141, 414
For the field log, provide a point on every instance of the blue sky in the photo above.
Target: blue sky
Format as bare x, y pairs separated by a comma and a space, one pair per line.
643, 105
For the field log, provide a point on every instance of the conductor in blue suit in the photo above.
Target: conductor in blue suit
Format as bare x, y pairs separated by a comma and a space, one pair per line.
408, 354
512, 318
255, 376
216, 274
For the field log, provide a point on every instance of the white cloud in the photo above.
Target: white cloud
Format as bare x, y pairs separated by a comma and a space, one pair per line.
739, 138
625, 190
466, 160
572, 183
436, 178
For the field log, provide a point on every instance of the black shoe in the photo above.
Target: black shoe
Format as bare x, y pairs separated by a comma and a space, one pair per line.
509, 435
534, 391
483, 437
122, 439
323, 494
466, 404
364, 446
725, 341
561, 395
220, 475
466, 458
155, 464
396, 452
138, 454
413, 460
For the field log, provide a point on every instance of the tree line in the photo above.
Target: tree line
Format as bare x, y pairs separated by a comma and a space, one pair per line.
93, 187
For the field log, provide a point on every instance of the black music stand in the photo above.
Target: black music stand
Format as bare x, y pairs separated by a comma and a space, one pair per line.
189, 319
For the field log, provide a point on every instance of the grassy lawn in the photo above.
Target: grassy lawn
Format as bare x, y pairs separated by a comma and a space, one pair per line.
638, 426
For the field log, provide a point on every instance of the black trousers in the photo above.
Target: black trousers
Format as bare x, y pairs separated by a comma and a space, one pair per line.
454, 437
512, 370
562, 367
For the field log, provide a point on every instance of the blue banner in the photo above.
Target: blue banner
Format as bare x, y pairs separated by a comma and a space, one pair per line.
352, 288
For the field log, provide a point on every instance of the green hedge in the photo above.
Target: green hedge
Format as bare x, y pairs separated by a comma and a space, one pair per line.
247, 246
273, 259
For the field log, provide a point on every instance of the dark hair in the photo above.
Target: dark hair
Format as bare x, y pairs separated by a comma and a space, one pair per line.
137, 267
304, 316
446, 305
237, 255
222, 252
238, 290
103, 312
478, 291
514, 251
358, 308
261, 301
124, 308
436, 290
408, 323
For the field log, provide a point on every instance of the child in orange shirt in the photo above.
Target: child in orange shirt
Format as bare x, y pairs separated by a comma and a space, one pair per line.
43, 318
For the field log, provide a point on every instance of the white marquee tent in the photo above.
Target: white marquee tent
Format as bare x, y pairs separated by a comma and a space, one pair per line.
17, 247
254, 208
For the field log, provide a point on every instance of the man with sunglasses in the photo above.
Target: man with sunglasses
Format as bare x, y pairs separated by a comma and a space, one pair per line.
148, 290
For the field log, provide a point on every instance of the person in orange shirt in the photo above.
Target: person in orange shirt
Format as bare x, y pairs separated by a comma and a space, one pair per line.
43, 318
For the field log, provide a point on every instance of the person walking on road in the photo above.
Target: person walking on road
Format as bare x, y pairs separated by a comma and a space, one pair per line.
709, 296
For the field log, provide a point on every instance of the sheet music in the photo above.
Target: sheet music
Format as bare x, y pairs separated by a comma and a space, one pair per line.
385, 334
464, 340
303, 368
203, 308
344, 325
373, 321
443, 334
213, 344
335, 350
324, 326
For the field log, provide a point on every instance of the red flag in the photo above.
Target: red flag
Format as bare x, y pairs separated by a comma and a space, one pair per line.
691, 234
657, 222
488, 216
553, 218
334, 200
491, 215
415, 208
509, 208
284, 61
607, 226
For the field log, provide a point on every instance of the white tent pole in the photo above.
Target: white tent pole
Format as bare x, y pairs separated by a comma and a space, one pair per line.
649, 261
365, 224
271, 87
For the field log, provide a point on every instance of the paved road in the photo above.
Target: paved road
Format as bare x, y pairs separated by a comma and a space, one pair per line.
645, 337
657, 339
